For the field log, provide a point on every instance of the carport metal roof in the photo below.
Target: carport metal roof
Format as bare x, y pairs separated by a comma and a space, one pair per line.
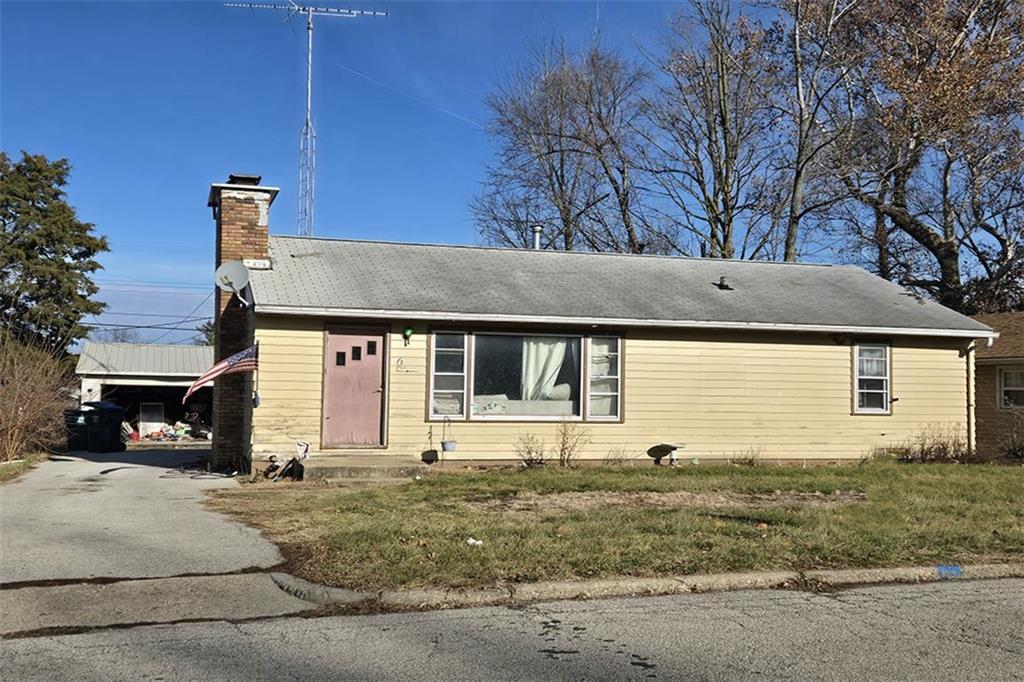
143, 359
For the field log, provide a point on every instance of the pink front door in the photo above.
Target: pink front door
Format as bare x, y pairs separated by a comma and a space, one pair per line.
353, 389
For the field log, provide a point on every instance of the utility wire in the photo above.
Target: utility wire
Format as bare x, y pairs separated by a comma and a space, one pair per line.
201, 304
133, 314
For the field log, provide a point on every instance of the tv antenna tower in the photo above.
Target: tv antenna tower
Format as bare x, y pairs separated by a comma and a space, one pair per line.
307, 140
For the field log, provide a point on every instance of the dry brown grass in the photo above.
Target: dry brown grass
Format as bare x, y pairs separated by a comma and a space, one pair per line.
554, 523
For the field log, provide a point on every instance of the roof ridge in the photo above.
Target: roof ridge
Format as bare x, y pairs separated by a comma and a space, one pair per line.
503, 249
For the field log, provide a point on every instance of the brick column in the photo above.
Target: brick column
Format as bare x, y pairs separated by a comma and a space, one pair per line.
241, 208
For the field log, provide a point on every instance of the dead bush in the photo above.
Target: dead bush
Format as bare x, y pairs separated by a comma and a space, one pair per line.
35, 389
935, 444
572, 437
750, 458
530, 450
617, 456
1012, 445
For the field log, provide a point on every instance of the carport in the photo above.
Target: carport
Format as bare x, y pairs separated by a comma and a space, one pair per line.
146, 378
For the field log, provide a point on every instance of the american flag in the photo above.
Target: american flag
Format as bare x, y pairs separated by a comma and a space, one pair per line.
244, 361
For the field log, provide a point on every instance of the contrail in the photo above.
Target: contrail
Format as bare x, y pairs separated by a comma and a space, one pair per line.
410, 96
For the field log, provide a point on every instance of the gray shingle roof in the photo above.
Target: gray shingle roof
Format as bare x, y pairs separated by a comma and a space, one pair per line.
143, 359
385, 279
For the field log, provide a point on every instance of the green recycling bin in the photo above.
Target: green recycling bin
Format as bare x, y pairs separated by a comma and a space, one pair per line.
103, 426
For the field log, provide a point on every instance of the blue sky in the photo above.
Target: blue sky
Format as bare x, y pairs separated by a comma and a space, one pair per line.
152, 101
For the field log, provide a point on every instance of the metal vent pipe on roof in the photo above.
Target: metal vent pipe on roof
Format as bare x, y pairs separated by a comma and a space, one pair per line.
537, 230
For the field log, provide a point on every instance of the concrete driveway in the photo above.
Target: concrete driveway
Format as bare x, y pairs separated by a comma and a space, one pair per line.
120, 515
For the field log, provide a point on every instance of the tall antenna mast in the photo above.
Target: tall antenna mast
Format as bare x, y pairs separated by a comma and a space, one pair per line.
307, 139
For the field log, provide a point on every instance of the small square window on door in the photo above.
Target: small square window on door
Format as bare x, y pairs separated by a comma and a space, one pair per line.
371, 347
339, 358
357, 353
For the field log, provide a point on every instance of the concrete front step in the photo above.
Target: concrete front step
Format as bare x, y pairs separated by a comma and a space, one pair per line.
361, 467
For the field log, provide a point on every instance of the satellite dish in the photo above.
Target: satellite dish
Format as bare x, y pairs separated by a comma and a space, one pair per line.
233, 276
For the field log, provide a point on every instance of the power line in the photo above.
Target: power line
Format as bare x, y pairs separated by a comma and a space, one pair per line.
193, 312
144, 283
307, 139
102, 325
133, 314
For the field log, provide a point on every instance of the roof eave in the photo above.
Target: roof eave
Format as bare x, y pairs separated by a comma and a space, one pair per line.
348, 313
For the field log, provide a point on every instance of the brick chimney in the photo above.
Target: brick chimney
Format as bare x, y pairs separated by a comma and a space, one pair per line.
241, 209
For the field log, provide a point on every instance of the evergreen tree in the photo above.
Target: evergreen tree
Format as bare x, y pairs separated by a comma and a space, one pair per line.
47, 255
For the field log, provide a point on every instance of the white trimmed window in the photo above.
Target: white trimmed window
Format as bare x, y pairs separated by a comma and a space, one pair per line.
524, 377
605, 378
871, 378
1011, 388
448, 376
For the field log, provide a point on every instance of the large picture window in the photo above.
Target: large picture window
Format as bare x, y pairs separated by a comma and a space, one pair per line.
1011, 388
871, 378
524, 376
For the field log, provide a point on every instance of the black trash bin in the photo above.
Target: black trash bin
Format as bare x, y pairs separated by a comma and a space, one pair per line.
74, 424
103, 426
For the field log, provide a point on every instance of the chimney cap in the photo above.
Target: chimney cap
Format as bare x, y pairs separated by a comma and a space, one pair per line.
244, 179
239, 181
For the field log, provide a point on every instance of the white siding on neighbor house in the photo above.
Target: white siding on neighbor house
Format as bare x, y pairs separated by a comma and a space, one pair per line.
723, 394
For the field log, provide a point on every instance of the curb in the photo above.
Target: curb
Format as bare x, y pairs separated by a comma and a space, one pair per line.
631, 587
319, 594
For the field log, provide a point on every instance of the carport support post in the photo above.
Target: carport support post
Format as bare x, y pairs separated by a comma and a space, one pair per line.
241, 209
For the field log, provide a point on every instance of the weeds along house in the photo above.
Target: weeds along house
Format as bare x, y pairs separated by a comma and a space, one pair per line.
388, 348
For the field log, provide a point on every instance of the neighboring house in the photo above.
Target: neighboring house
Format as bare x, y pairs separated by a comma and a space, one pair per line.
388, 348
146, 377
999, 384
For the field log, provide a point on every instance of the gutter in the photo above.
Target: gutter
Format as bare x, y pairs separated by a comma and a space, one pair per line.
349, 313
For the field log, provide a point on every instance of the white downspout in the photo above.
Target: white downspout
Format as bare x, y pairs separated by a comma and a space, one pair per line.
971, 436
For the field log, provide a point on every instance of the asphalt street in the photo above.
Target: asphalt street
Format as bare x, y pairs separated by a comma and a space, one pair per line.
939, 631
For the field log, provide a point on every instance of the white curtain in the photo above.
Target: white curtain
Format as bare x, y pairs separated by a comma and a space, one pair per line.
542, 359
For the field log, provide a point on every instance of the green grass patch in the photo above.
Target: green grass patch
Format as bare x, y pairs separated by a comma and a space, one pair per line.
11, 470
540, 524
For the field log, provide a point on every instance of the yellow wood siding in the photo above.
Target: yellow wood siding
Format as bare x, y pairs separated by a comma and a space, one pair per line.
723, 394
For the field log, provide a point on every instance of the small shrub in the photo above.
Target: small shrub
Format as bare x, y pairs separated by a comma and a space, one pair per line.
616, 456
571, 438
1012, 445
936, 444
750, 458
530, 450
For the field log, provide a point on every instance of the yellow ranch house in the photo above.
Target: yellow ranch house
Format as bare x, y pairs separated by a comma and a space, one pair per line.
389, 349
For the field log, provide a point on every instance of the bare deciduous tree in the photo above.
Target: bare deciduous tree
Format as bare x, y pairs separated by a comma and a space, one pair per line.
711, 137
815, 44
541, 177
933, 145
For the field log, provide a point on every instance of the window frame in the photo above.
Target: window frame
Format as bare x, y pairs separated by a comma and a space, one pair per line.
469, 350
617, 417
1001, 387
857, 409
433, 349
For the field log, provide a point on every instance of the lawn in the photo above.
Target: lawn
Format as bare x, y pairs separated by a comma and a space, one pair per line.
539, 524
11, 470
